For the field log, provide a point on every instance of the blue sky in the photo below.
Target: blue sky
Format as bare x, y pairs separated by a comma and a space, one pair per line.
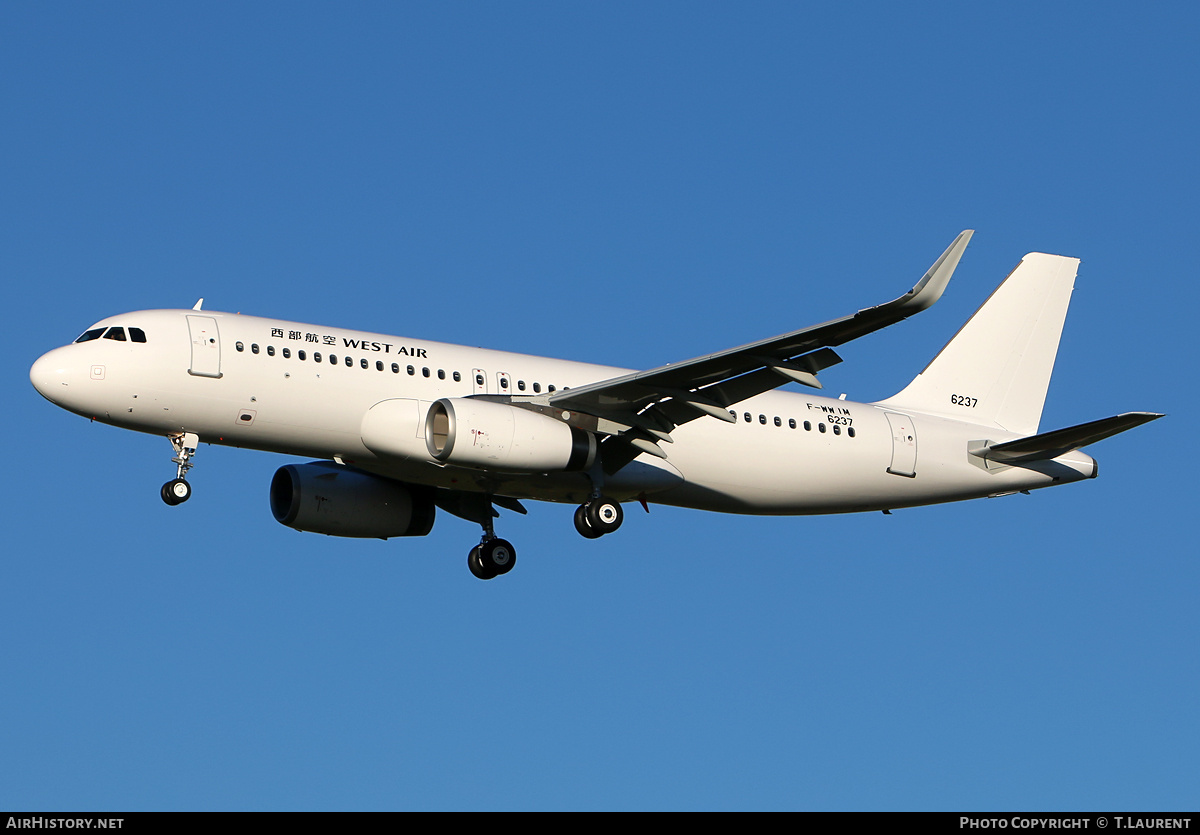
629, 184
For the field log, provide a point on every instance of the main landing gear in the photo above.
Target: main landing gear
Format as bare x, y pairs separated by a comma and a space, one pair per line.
598, 516
493, 556
177, 490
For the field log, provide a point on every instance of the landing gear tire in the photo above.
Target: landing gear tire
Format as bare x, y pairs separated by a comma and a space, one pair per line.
583, 525
498, 556
492, 558
604, 515
176, 491
476, 566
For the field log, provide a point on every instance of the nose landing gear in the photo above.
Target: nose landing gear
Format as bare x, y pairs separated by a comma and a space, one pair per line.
178, 491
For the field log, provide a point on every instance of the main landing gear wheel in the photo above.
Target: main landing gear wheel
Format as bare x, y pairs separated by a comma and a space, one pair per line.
583, 525
176, 491
476, 566
492, 558
604, 515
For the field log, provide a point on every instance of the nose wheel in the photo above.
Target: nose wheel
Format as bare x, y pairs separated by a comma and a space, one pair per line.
177, 490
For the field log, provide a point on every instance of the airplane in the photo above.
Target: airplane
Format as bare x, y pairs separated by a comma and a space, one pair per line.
402, 427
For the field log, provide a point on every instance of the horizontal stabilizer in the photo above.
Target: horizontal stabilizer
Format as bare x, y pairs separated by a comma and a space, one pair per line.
1050, 445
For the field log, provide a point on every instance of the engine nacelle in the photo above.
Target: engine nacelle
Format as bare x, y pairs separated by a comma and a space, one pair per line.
330, 499
396, 428
496, 436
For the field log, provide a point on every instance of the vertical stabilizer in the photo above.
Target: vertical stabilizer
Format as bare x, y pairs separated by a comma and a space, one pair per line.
996, 369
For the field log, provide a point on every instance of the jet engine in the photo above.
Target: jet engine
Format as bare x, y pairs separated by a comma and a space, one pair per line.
496, 436
338, 501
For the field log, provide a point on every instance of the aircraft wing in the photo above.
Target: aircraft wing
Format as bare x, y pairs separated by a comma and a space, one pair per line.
660, 399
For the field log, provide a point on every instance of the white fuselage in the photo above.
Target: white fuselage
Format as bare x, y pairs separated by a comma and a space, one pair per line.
226, 378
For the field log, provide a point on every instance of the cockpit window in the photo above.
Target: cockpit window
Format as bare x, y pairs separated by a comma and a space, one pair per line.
137, 335
88, 336
115, 333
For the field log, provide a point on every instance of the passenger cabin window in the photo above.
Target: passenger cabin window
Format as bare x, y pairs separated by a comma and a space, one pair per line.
457, 377
115, 333
378, 365
254, 347
350, 362
287, 353
301, 356
88, 336
395, 368
441, 374
520, 385
537, 388
241, 346
270, 350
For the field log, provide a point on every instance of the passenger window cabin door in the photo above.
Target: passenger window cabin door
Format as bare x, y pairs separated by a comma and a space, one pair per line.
904, 445
206, 346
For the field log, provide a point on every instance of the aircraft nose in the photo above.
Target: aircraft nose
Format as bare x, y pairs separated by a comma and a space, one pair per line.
49, 375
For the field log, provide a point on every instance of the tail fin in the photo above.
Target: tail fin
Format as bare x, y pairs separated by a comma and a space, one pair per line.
996, 369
